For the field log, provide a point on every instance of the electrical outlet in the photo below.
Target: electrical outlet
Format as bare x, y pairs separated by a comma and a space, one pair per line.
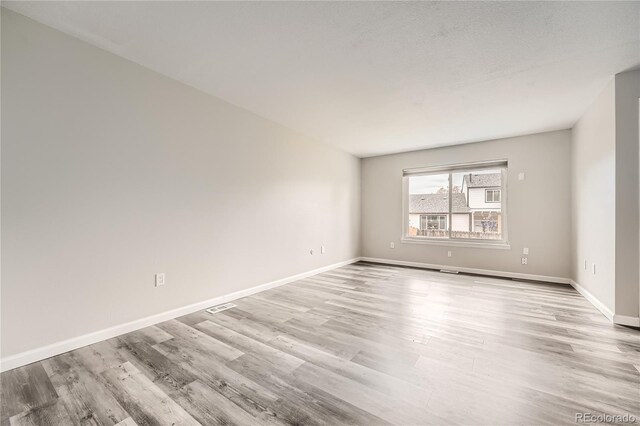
525, 250
524, 260
449, 253
322, 250
521, 176
392, 245
160, 279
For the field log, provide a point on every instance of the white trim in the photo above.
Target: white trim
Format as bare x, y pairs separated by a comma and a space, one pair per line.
616, 319
546, 278
499, 245
489, 164
626, 320
57, 348
593, 300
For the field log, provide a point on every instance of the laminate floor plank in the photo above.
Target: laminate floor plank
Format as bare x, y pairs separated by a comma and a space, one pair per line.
23, 389
364, 344
146, 403
274, 359
127, 422
87, 400
250, 396
158, 368
396, 410
297, 404
210, 407
371, 379
52, 413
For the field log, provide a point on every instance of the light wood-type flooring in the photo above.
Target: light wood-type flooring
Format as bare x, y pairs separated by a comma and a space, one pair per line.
364, 344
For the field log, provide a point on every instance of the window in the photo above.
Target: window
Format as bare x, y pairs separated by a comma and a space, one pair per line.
461, 203
429, 200
492, 195
433, 222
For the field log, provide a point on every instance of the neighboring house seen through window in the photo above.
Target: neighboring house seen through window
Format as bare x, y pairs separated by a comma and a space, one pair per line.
433, 222
461, 202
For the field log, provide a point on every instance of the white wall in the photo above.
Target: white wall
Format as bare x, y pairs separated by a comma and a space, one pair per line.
593, 198
539, 209
111, 173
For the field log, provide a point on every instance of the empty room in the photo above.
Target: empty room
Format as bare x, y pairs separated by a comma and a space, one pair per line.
320, 213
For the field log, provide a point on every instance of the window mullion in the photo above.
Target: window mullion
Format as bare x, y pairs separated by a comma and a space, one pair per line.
450, 203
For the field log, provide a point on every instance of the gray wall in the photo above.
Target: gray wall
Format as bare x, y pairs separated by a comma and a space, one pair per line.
627, 212
111, 173
606, 196
594, 198
538, 208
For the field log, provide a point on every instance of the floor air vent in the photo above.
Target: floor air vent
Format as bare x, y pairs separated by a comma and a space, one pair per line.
220, 308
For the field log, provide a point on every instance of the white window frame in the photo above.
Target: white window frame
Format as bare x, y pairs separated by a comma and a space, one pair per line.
493, 191
456, 168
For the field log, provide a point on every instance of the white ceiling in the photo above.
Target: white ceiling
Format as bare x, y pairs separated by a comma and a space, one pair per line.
375, 77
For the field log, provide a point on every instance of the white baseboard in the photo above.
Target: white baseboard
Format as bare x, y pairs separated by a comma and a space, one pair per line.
616, 319
593, 300
626, 320
48, 351
545, 278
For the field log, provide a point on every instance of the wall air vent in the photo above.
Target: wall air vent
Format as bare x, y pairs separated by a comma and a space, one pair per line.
220, 308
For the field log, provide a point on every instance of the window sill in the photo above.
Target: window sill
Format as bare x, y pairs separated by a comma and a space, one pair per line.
499, 245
